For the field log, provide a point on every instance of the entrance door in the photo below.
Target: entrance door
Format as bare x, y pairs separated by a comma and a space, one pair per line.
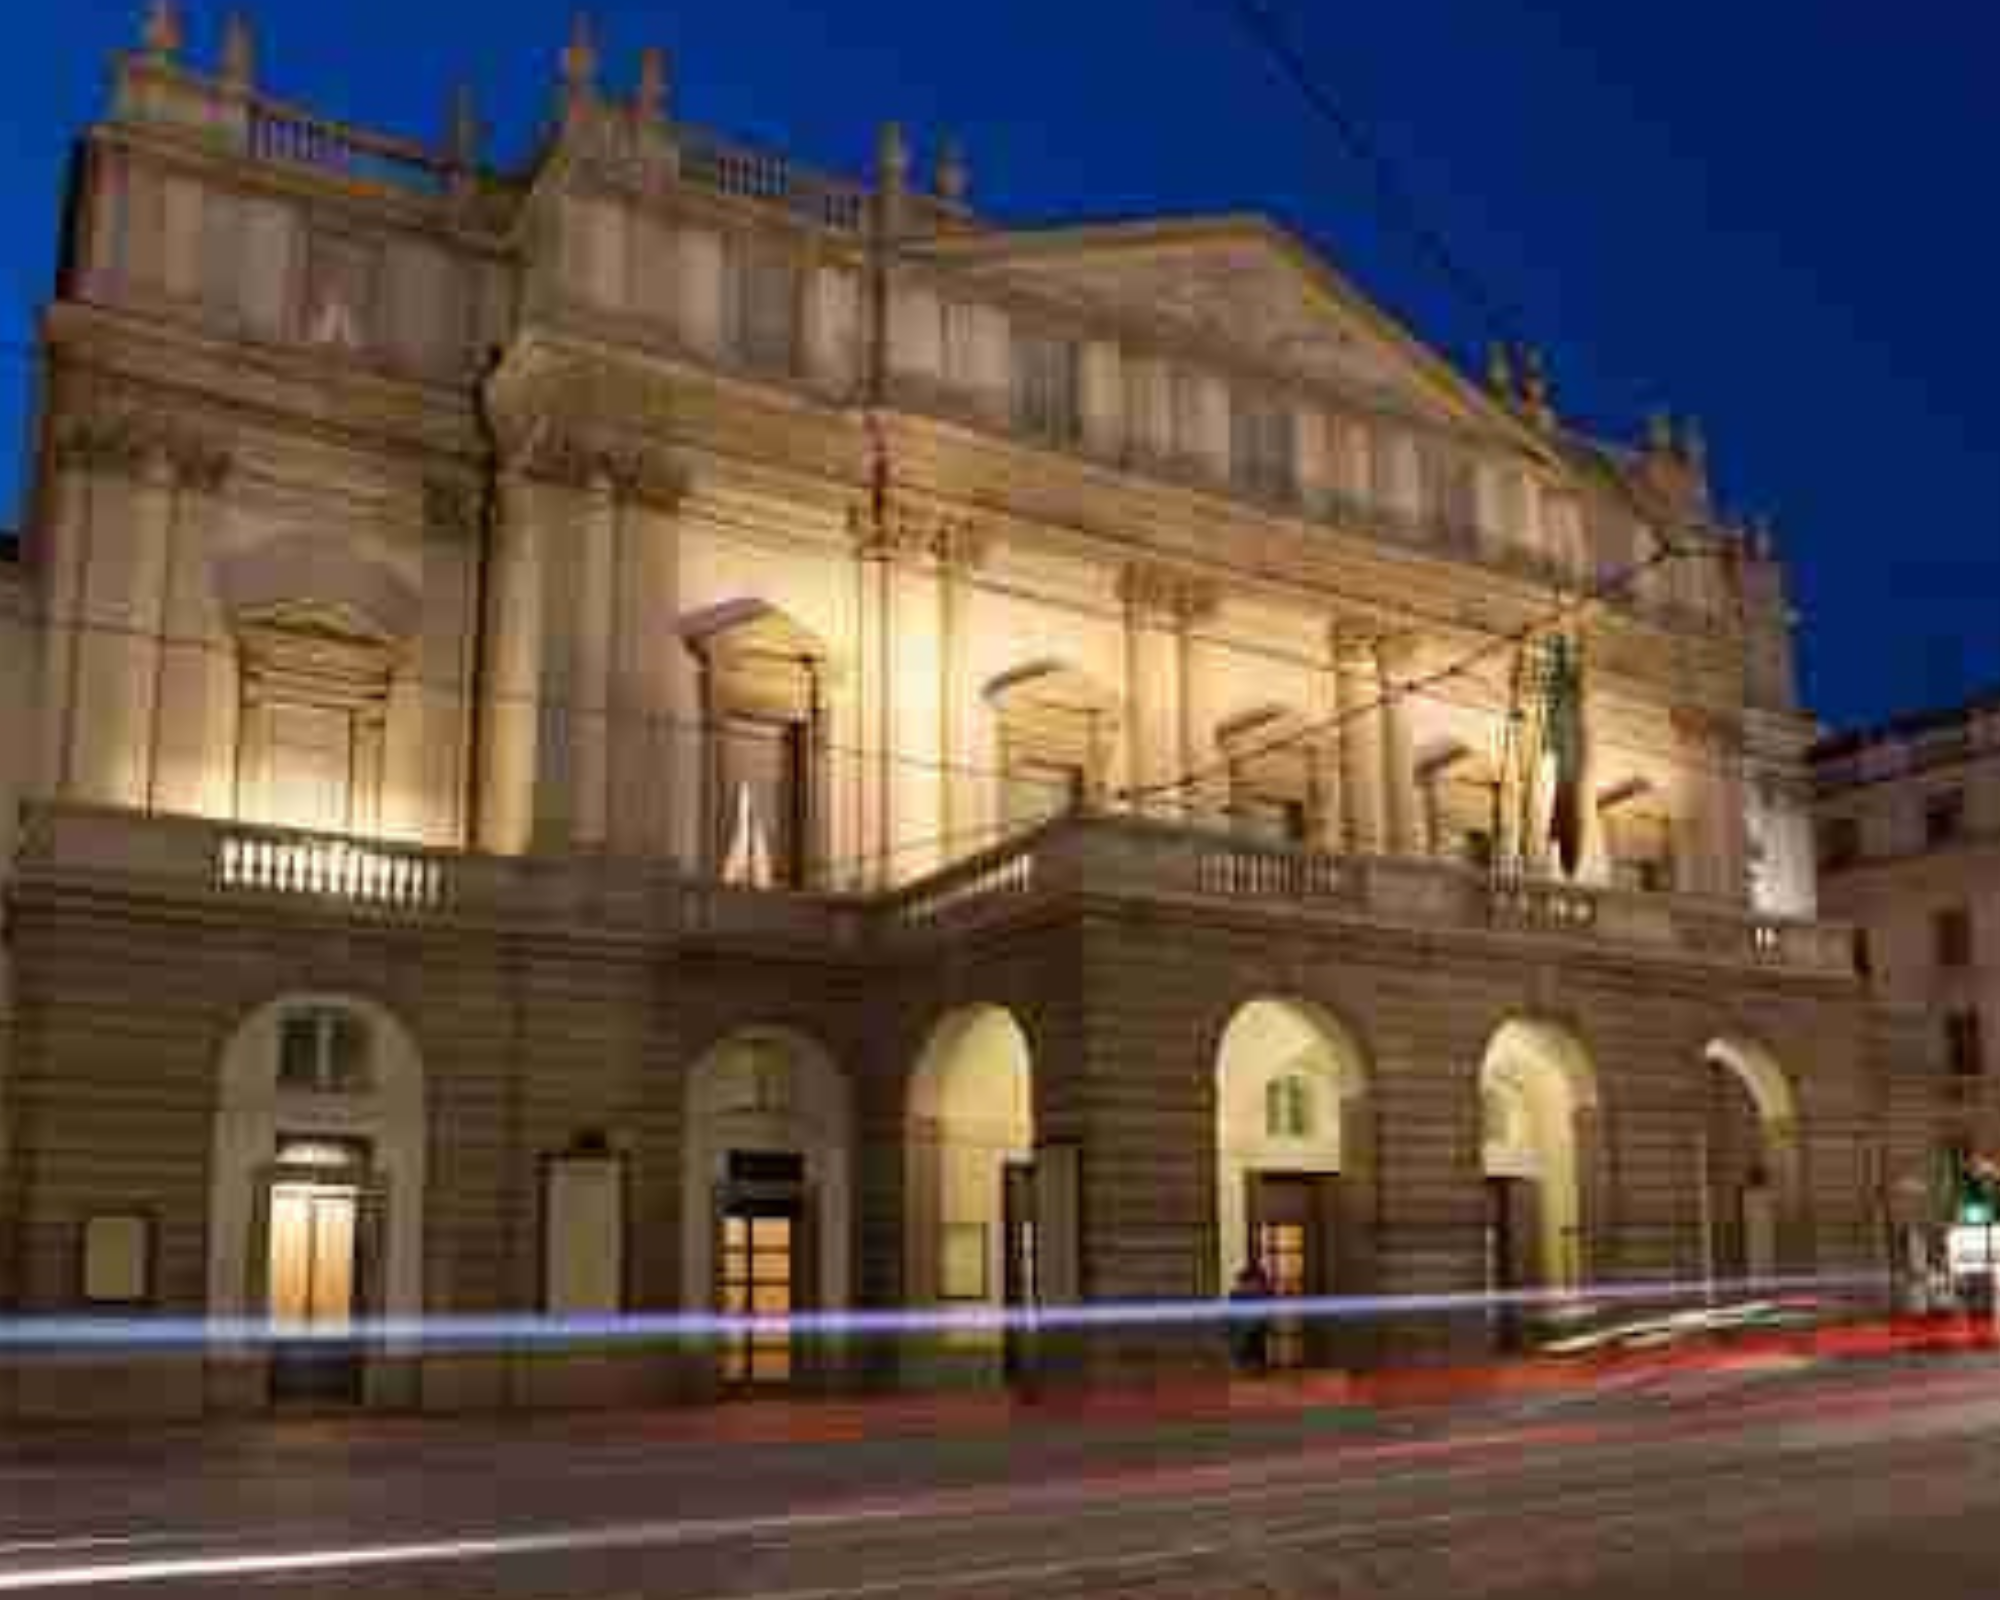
758, 1275
1291, 1235
1513, 1252
1020, 1275
1760, 1230
312, 1273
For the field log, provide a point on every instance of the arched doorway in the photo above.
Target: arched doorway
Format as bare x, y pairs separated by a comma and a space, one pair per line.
1293, 1153
1538, 1116
768, 1198
316, 1208
1748, 1149
971, 1197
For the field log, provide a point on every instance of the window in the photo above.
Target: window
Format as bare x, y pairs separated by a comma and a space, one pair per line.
1045, 388
1288, 1107
1944, 817
1951, 937
324, 1051
1262, 447
763, 764
1964, 1044
1039, 789
1274, 819
766, 306
1839, 843
1864, 955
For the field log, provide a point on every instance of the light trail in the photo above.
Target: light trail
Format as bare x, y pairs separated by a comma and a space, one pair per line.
32, 1335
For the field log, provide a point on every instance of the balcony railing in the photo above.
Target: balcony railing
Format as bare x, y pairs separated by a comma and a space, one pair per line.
1200, 870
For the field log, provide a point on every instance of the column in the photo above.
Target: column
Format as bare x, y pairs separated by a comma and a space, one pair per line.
874, 707
960, 550
511, 694
63, 565
1356, 692
594, 622
117, 641
1329, 819
1154, 757
1395, 661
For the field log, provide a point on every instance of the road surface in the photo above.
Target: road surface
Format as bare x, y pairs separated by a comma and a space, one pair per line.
1771, 1476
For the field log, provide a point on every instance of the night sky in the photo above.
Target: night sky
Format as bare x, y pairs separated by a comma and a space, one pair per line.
1776, 216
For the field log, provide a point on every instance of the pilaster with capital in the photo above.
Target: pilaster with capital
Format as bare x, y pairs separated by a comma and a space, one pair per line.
1163, 606
561, 767
1395, 664
126, 476
1711, 754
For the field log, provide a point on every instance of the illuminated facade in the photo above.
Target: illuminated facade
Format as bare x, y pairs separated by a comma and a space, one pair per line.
664, 731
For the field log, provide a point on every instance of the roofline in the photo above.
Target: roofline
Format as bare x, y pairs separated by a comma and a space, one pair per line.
1904, 725
1000, 241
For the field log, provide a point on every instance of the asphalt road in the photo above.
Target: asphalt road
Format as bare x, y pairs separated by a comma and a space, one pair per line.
1774, 1478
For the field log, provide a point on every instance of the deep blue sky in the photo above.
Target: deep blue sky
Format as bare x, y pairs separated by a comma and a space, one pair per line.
1775, 215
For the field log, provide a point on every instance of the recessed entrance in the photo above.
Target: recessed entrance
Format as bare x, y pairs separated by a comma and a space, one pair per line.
758, 1257
1293, 1223
313, 1271
1292, 1144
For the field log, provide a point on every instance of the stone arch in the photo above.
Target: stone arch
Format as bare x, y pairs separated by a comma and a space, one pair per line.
1541, 1155
1294, 1130
1751, 1181
267, 1115
769, 1090
969, 1117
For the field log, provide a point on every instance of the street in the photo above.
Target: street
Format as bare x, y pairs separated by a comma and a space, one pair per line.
1772, 1475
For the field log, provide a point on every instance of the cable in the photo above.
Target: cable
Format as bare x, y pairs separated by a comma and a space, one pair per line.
1260, 20
1391, 693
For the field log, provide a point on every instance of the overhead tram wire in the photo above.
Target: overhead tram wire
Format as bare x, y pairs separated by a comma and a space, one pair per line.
1261, 21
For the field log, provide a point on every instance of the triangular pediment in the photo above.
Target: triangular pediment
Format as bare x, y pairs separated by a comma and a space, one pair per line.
1246, 290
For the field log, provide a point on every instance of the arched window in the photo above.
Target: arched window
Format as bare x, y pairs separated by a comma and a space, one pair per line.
764, 687
325, 1050
1288, 1107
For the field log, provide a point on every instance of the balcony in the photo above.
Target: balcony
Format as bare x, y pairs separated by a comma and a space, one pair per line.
1198, 871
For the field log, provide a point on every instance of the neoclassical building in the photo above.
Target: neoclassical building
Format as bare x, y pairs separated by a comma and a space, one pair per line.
663, 731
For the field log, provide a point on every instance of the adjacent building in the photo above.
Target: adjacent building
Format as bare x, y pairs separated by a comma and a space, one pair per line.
1907, 815
660, 730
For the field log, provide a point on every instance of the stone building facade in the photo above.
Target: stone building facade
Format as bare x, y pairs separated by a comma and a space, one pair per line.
662, 731
1907, 814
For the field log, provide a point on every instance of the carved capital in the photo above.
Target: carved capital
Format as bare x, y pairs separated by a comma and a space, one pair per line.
451, 506
135, 442
1706, 731
1153, 591
590, 459
954, 544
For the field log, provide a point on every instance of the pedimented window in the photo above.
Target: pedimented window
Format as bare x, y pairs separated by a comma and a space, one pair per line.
1274, 783
1638, 836
320, 633
1057, 728
765, 679
1460, 791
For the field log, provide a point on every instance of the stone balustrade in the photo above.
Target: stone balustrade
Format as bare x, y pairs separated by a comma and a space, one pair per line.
1205, 871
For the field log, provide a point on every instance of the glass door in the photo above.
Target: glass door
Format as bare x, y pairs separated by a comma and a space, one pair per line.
312, 1289
1284, 1239
758, 1278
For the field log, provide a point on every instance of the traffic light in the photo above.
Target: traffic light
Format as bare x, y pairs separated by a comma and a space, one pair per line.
1978, 1191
